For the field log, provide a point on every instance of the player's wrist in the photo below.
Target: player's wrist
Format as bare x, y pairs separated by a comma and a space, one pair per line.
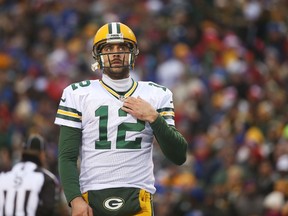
153, 117
76, 200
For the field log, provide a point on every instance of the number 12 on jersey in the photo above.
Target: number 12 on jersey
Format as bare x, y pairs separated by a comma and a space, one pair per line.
121, 143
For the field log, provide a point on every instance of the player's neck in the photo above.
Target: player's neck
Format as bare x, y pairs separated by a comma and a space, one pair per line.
120, 85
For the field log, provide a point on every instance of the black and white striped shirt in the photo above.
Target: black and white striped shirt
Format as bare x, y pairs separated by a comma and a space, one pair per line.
27, 190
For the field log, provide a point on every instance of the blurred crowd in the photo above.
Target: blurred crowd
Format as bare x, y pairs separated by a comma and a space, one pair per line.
225, 61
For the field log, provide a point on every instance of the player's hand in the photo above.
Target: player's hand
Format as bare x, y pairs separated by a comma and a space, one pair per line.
140, 109
80, 207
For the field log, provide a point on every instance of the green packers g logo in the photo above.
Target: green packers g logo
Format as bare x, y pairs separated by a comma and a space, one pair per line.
113, 203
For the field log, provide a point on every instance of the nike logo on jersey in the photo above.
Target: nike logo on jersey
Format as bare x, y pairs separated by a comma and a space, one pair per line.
63, 99
171, 101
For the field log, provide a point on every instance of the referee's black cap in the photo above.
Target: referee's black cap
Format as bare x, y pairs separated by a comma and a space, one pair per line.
35, 143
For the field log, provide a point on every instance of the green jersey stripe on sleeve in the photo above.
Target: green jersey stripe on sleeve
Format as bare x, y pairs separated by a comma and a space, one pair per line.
165, 109
69, 114
166, 112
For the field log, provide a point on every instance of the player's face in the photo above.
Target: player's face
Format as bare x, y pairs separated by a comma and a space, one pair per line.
116, 60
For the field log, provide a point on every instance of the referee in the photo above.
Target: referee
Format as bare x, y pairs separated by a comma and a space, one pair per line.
29, 189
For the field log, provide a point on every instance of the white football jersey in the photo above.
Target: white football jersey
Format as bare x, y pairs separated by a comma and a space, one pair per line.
116, 148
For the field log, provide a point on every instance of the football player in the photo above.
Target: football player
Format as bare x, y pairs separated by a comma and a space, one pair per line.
110, 123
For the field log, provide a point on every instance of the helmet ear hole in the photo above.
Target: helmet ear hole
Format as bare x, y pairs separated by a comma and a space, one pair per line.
130, 45
133, 48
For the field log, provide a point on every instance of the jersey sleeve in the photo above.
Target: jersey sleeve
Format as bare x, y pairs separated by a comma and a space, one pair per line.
172, 143
166, 106
69, 110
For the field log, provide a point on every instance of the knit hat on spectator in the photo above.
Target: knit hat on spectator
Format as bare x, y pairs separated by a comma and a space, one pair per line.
34, 145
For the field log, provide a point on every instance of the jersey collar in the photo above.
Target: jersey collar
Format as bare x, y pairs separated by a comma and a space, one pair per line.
116, 94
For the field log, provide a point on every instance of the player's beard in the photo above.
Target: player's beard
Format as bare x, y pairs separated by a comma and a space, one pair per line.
118, 66
117, 72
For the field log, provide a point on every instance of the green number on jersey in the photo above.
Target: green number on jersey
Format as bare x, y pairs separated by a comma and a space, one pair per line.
103, 143
156, 85
81, 84
124, 127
